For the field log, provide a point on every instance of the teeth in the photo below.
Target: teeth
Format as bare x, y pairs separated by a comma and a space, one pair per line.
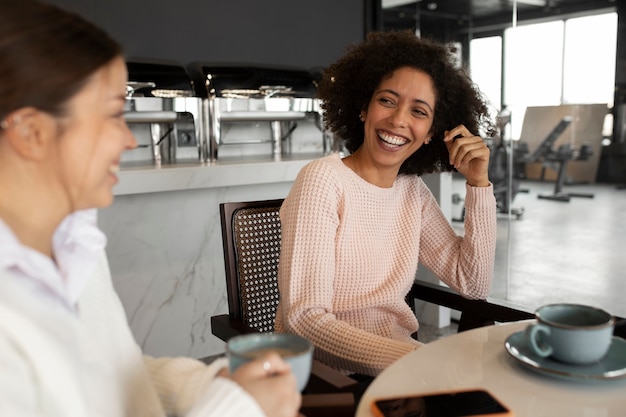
114, 169
392, 140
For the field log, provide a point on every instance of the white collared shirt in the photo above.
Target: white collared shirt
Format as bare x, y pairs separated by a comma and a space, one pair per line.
76, 244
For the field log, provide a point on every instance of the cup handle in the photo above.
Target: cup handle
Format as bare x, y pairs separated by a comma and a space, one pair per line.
533, 333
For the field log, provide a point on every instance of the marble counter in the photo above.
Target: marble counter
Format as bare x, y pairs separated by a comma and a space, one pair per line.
165, 245
141, 178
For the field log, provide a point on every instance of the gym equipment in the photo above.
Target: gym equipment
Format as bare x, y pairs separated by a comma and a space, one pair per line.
499, 176
499, 166
557, 159
505, 184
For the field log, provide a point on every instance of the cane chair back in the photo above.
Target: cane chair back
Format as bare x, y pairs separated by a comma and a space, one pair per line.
251, 238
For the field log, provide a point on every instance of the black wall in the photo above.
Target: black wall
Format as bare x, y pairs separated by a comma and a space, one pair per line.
292, 33
613, 162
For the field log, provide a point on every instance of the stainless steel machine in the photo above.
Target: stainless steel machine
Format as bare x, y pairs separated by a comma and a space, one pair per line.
255, 105
164, 114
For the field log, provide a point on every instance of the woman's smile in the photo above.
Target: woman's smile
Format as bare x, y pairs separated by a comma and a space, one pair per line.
391, 141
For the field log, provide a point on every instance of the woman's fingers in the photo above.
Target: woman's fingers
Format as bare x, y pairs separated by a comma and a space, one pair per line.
469, 154
272, 384
463, 146
467, 149
268, 365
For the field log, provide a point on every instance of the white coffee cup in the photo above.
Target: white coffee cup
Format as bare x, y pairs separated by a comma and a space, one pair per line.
295, 350
571, 333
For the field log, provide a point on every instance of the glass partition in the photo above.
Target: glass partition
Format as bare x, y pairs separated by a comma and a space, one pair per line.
552, 81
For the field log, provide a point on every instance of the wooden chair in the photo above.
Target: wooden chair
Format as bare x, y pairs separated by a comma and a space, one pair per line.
478, 313
474, 313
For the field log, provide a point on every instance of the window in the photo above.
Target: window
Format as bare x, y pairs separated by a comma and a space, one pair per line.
486, 67
560, 62
589, 62
533, 62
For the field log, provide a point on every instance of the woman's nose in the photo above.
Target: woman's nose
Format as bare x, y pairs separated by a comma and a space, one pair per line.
398, 118
130, 140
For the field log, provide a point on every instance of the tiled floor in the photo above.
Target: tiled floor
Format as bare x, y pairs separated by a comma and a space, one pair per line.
560, 251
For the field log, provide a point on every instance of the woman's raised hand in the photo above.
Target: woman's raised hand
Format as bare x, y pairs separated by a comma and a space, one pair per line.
469, 154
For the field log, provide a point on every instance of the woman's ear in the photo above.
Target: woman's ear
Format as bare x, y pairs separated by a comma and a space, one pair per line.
29, 132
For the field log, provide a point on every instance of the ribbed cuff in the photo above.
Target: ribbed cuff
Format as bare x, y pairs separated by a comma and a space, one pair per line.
479, 196
225, 398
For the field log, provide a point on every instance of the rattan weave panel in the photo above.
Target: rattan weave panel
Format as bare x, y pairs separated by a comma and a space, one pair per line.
257, 243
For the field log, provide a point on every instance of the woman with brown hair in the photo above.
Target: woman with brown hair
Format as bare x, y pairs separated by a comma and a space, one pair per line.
66, 349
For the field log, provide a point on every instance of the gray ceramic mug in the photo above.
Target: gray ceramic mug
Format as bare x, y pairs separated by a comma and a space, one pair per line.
571, 333
295, 350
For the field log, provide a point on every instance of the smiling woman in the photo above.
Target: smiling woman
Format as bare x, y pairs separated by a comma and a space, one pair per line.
61, 134
93, 135
355, 228
66, 349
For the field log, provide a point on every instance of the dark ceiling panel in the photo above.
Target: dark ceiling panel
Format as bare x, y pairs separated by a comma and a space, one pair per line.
479, 13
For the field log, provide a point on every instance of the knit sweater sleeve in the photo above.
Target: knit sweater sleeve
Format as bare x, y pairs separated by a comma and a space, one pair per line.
310, 300
179, 384
189, 387
465, 263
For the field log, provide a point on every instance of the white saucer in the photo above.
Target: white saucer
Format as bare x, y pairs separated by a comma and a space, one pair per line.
612, 366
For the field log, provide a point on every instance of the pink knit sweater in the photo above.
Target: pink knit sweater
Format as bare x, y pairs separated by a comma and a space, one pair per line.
350, 252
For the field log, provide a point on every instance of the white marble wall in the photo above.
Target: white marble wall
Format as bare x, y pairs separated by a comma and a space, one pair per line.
165, 252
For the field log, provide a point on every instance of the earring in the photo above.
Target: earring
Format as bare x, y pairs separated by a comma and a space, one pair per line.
361, 117
5, 124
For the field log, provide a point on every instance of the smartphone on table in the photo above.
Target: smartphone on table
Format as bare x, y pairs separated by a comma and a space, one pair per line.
467, 403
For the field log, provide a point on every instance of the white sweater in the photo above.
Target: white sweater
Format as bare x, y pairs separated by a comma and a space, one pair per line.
59, 362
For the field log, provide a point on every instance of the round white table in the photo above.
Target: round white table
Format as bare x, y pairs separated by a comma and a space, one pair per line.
478, 359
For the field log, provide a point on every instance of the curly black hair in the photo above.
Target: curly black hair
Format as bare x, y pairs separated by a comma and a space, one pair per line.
347, 86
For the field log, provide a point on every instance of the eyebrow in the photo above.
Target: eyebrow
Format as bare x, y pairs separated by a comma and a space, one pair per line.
417, 100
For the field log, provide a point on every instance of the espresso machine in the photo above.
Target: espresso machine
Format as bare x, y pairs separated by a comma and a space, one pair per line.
262, 108
163, 113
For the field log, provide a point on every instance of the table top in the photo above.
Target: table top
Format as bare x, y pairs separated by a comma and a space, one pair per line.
478, 359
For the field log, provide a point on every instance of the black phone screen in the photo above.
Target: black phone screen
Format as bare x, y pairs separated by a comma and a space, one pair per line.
460, 404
